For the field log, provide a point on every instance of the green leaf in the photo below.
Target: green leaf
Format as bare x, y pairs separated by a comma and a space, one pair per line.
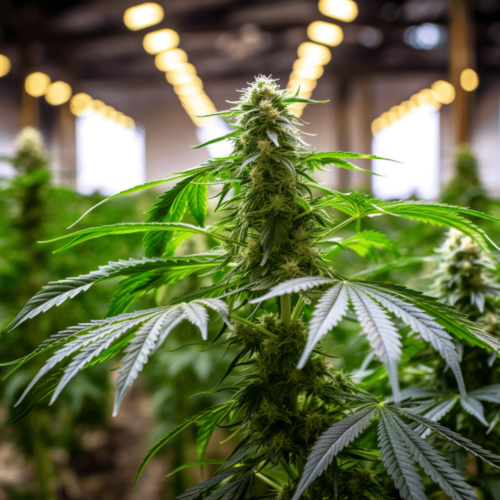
399, 461
197, 202
364, 243
195, 464
218, 139
147, 185
129, 228
290, 100
170, 207
176, 430
434, 464
135, 286
206, 428
330, 444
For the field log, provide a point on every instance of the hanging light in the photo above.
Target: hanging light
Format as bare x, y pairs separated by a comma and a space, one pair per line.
4, 65
142, 16
160, 40
175, 75
314, 52
305, 85
97, 105
58, 93
326, 33
80, 103
170, 59
345, 10
469, 80
444, 92
305, 68
187, 90
36, 84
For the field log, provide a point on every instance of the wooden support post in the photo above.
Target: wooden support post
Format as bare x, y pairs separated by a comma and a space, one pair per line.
344, 179
66, 138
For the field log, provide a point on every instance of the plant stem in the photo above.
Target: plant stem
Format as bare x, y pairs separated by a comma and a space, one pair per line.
253, 325
286, 309
340, 226
268, 481
286, 467
297, 311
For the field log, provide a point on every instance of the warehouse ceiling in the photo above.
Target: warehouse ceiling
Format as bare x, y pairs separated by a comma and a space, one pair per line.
87, 41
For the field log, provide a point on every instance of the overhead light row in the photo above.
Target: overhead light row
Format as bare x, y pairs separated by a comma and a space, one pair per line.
440, 93
343, 10
313, 56
56, 93
39, 84
163, 44
4, 65
82, 104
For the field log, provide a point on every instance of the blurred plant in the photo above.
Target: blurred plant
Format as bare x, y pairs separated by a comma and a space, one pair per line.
465, 187
30, 211
273, 240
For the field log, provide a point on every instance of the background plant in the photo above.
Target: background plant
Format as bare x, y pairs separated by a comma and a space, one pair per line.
275, 237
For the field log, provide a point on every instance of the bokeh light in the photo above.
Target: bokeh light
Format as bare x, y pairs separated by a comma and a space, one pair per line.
142, 16
58, 93
36, 84
160, 40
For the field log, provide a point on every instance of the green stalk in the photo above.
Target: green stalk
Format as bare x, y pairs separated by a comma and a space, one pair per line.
268, 481
340, 226
297, 311
286, 467
286, 309
253, 325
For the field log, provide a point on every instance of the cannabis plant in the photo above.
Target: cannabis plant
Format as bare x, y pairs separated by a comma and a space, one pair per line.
294, 418
465, 188
465, 279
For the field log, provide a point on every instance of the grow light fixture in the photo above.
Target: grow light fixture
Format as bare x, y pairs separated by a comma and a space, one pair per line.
79, 103
326, 33
58, 93
36, 84
82, 104
344, 10
160, 40
4, 65
440, 93
143, 16
469, 80
170, 59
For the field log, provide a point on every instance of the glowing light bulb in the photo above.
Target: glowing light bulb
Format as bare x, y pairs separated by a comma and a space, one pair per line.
444, 92
305, 85
175, 75
170, 59
160, 40
318, 54
58, 93
80, 103
345, 10
142, 16
326, 33
36, 84
97, 105
469, 80
305, 68
4, 65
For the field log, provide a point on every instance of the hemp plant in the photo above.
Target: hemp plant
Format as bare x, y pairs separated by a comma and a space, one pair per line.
465, 279
294, 417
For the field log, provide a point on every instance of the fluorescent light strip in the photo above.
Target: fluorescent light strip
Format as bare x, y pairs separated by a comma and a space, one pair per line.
440, 93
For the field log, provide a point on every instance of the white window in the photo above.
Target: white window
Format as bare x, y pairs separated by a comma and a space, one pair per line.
110, 157
414, 141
